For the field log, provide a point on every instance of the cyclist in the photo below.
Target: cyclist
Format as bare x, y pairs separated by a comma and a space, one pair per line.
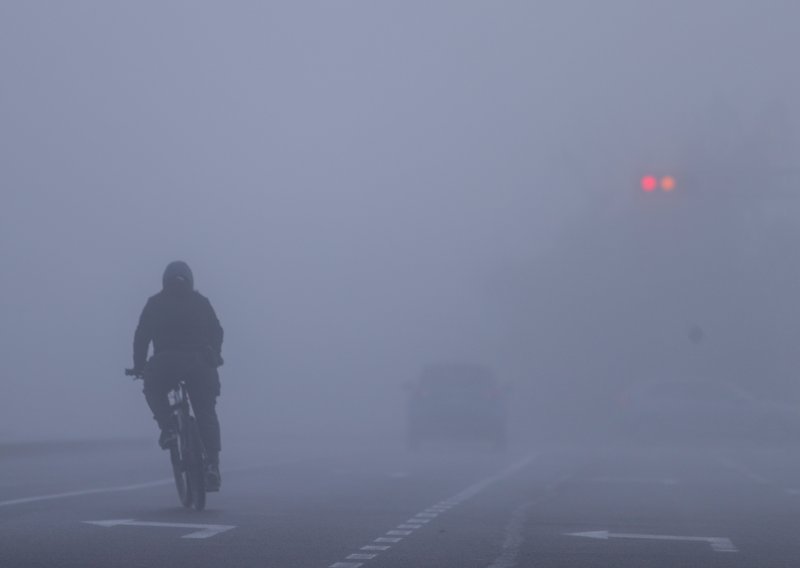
187, 344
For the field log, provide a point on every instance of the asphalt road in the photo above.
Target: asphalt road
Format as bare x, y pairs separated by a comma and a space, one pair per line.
112, 504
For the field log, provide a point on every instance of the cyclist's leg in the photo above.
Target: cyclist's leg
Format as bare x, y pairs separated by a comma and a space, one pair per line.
159, 379
204, 389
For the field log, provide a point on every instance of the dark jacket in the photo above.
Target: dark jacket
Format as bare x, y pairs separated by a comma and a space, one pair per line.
177, 320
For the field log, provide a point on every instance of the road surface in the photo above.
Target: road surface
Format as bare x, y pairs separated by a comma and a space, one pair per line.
375, 506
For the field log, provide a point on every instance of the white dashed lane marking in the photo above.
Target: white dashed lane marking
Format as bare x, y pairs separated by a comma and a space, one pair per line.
361, 556
514, 539
419, 520
377, 547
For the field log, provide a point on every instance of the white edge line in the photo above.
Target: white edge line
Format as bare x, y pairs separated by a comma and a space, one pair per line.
67, 494
132, 487
745, 471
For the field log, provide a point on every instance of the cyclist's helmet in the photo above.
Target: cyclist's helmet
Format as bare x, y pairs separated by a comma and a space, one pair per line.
178, 277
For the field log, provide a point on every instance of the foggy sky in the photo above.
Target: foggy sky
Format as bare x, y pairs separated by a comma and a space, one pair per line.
346, 179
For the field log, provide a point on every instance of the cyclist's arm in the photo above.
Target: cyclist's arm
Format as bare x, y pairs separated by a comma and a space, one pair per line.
142, 338
214, 330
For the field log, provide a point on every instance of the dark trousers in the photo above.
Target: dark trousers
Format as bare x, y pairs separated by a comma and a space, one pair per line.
161, 375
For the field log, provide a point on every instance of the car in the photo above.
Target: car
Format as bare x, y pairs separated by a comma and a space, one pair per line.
701, 410
455, 402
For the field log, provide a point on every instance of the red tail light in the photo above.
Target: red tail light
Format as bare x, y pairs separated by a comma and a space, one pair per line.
649, 183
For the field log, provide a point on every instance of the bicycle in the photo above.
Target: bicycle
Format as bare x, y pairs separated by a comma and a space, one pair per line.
188, 455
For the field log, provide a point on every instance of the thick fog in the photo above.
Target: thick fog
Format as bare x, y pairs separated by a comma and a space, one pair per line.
365, 188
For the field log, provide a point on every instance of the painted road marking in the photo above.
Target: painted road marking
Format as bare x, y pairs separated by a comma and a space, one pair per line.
514, 538
51, 496
201, 531
753, 476
377, 547
395, 536
745, 471
361, 556
514, 535
718, 544
132, 487
641, 480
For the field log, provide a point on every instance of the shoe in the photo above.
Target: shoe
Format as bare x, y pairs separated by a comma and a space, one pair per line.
213, 478
167, 439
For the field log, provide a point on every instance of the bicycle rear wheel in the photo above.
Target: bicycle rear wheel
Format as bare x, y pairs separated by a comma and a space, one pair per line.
195, 474
178, 472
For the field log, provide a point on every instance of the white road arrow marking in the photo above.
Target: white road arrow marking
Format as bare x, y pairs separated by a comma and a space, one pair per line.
201, 531
718, 544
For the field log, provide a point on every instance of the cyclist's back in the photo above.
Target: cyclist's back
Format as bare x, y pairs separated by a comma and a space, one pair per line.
178, 318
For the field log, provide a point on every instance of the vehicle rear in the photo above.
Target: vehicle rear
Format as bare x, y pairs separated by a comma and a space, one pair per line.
456, 402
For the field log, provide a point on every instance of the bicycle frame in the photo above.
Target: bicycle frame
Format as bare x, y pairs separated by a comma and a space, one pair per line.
179, 403
188, 457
